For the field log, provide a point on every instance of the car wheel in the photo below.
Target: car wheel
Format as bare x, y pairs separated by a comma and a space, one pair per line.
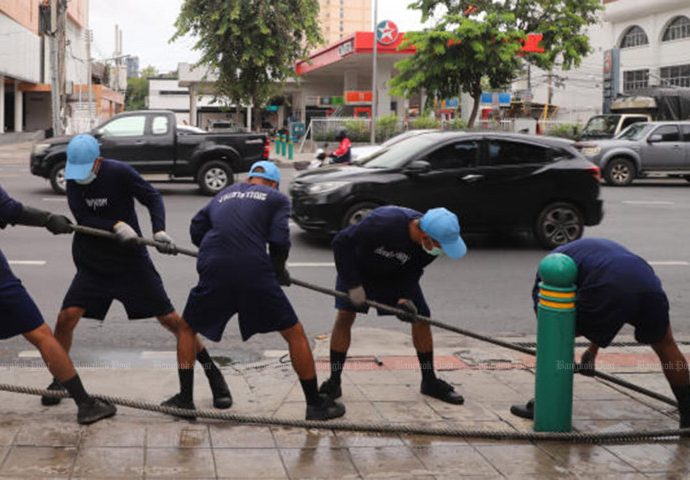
57, 178
357, 212
214, 176
620, 172
557, 224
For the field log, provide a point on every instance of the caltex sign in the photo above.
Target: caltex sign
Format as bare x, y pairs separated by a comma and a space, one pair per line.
387, 32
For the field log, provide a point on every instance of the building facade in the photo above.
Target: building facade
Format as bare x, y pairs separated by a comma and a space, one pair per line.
25, 70
340, 18
654, 42
653, 39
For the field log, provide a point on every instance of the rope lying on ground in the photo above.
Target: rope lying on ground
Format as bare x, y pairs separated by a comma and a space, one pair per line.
373, 427
605, 437
396, 311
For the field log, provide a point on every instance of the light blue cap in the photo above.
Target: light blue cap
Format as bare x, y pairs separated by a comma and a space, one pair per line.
82, 152
443, 226
271, 171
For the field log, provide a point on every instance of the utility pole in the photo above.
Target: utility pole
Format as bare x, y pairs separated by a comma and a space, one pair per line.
550, 91
89, 39
54, 82
61, 30
374, 88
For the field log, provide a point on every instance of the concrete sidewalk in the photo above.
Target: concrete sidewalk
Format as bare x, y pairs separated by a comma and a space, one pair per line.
45, 442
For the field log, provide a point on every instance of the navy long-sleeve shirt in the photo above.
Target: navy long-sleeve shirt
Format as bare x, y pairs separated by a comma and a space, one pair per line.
104, 202
10, 210
234, 228
379, 250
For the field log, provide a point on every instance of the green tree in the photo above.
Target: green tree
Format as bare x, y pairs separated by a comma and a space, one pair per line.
477, 41
138, 89
252, 44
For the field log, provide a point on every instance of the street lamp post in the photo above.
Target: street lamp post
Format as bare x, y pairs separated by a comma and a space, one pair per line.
374, 87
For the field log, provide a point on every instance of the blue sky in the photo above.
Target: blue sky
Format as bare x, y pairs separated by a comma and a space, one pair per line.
147, 26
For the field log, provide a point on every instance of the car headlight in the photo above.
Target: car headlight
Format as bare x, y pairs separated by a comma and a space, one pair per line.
325, 187
39, 148
591, 151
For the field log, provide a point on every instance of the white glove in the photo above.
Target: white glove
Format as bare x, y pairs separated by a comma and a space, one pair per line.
168, 247
125, 233
358, 296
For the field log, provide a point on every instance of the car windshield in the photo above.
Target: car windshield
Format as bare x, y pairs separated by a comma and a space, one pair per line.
635, 131
398, 154
601, 125
403, 136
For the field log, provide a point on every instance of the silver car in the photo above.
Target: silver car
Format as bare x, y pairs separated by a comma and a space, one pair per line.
642, 149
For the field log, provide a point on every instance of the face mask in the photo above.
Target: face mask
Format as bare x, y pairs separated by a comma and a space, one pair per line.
87, 180
434, 251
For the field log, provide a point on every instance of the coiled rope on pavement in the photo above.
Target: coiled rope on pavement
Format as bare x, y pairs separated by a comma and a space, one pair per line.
374, 427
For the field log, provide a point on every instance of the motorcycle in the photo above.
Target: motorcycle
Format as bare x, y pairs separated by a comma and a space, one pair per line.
321, 159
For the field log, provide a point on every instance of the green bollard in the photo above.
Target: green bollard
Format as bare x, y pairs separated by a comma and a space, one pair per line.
553, 395
277, 142
283, 145
290, 148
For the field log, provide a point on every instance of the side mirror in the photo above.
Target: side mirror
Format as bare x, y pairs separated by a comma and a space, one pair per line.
97, 134
417, 167
656, 138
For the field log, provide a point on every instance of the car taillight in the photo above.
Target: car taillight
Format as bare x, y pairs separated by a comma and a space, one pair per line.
595, 172
267, 148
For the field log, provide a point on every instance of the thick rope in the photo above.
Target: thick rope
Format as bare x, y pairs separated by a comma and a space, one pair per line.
374, 427
396, 311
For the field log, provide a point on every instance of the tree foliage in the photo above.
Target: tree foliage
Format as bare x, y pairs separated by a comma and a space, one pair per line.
480, 40
252, 44
138, 89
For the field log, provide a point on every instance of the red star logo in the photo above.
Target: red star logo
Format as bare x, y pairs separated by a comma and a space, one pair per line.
387, 32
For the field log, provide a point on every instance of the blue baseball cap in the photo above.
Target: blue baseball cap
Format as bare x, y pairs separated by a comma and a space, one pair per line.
443, 226
271, 172
82, 152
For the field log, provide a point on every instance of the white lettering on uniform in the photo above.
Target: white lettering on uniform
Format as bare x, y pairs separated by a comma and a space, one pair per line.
402, 257
261, 196
94, 203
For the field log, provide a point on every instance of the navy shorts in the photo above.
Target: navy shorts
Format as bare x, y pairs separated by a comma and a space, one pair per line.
648, 313
388, 294
139, 289
262, 306
18, 312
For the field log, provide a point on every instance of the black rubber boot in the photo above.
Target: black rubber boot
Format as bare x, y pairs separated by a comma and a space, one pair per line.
51, 401
176, 401
95, 410
441, 390
331, 388
222, 398
326, 410
524, 411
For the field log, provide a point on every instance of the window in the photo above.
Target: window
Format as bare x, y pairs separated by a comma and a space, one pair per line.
677, 29
678, 76
125, 127
686, 133
502, 152
634, 37
635, 79
669, 133
159, 126
455, 155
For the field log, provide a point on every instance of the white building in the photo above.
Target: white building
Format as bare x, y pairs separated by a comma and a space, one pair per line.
654, 41
167, 94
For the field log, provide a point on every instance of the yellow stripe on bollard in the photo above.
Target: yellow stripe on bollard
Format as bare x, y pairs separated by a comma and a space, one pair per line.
551, 293
557, 305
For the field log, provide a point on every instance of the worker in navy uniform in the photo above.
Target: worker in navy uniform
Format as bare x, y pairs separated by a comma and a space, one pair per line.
238, 276
382, 258
616, 287
101, 194
19, 315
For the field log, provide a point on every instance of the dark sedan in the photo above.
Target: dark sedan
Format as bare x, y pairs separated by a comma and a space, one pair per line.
492, 181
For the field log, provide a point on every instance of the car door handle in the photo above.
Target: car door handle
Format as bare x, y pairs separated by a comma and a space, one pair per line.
140, 142
472, 178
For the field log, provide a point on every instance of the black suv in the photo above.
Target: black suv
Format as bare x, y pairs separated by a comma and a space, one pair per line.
492, 181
